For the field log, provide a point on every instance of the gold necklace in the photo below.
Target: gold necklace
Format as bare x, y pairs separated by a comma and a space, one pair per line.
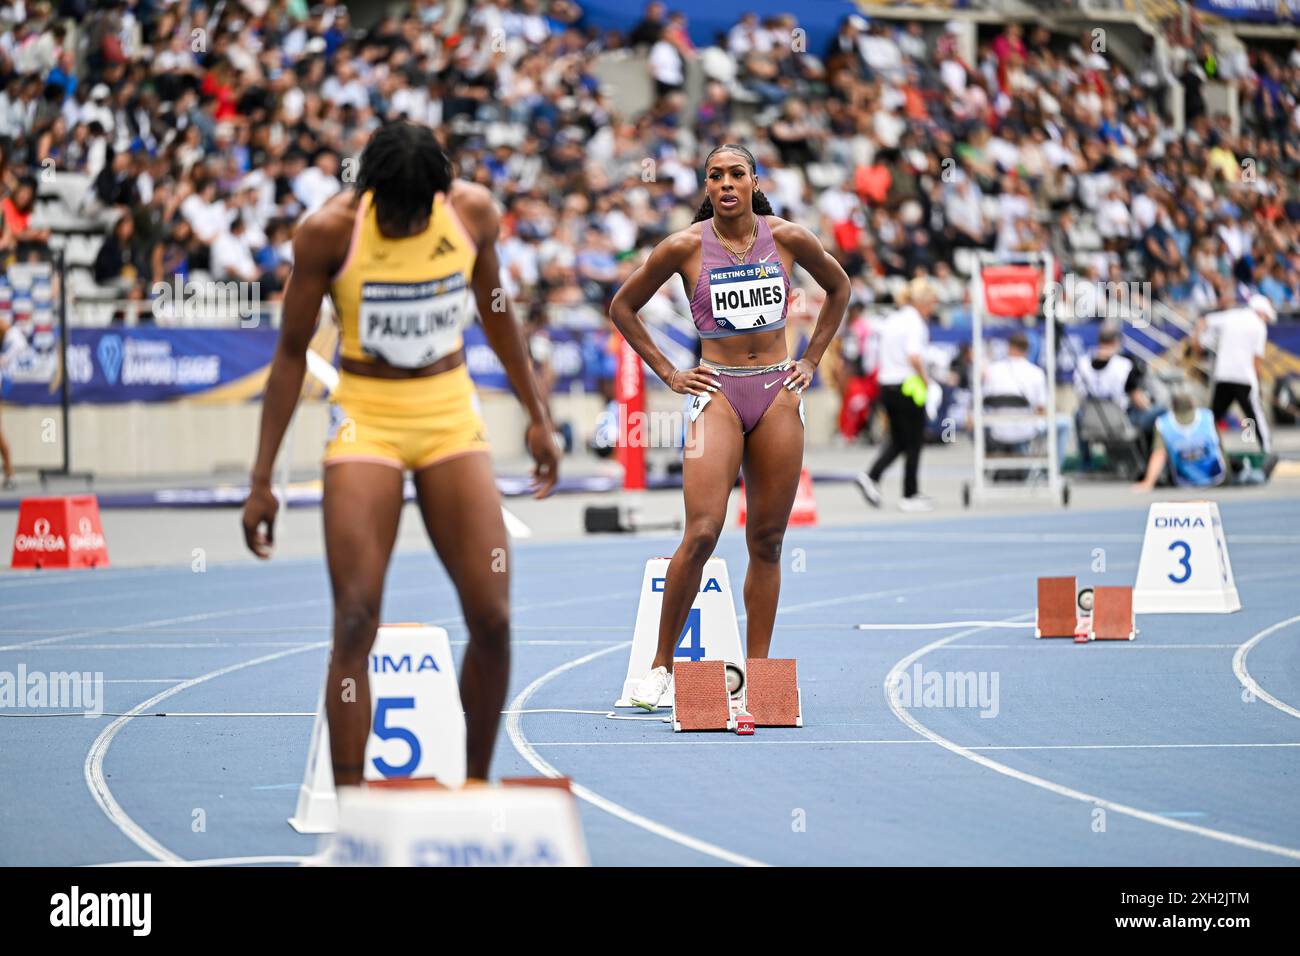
740, 259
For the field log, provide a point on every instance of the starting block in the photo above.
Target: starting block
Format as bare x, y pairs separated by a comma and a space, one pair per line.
772, 692
419, 823
1092, 614
1112, 616
712, 695
701, 698
1055, 616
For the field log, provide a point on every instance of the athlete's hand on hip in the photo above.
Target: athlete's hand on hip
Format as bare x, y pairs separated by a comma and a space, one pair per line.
540, 439
259, 513
800, 377
693, 381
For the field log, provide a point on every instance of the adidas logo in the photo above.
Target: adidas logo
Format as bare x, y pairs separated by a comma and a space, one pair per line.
444, 246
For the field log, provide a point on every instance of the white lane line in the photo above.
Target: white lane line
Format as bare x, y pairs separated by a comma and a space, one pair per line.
207, 645
290, 605
1062, 642
102, 595
555, 643
1128, 746
94, 765
159, 645
296, 629
943, 625
220, 861
803, 742
29, 579
1031, 537
892, 592
525, 749
1243, 675
134, 680
234, 713
1007, 623
182, 619
989, 764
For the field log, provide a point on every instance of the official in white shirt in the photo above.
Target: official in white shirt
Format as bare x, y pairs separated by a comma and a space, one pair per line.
1240, 337
1113, 377
1016, 375
904, 336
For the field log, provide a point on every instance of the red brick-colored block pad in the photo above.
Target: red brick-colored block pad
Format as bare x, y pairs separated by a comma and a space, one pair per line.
772, 692
1056, 617
700, 698
1112, 615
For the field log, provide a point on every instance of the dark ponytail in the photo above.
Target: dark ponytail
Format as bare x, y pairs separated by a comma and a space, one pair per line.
759, 202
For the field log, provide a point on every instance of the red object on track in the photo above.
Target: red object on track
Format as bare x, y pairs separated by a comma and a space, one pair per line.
60, 532
629, 392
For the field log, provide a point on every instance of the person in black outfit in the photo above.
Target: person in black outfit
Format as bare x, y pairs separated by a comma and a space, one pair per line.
651, 27
903, 338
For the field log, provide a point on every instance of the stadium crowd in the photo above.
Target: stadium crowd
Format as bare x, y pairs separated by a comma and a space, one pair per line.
205, 135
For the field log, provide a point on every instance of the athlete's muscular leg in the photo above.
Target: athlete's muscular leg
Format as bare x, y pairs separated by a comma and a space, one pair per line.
362, 504
709, 469
462, 512
773, 460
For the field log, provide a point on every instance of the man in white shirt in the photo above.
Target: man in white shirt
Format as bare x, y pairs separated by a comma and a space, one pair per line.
317, 182
666, 67
231, 258
344, 88
667, 59
1240, 337
207, 216
881, 53
904, 336
1016, 375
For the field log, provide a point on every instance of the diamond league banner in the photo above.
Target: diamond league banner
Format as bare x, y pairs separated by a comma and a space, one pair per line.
1258, 11
147, 364
157, 364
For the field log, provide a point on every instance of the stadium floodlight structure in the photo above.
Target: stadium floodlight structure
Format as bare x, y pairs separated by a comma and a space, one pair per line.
1012, 286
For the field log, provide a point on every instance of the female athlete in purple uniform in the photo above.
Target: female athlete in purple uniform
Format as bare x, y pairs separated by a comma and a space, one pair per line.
744, 399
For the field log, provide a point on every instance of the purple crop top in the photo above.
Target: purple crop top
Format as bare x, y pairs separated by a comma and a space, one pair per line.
733, 299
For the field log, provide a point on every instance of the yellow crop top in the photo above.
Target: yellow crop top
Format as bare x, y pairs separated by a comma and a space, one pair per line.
404, 301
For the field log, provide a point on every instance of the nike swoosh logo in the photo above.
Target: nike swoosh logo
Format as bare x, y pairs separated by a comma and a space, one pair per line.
769, 384
766, 257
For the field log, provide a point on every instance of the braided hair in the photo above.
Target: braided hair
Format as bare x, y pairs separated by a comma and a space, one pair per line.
759, 202
404, 167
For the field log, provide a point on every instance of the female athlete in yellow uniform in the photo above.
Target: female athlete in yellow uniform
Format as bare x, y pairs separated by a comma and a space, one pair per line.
399, 257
